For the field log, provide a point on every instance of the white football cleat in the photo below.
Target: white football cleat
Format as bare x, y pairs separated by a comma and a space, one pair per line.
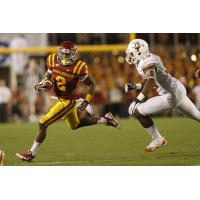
156, 143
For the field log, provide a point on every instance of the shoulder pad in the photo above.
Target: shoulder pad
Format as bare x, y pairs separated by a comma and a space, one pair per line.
151, 59
79, 67
51, 60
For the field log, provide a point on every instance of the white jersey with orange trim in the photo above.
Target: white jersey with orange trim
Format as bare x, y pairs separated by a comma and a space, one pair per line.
172, 92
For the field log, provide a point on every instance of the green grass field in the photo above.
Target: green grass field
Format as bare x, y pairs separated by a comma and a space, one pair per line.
105, 146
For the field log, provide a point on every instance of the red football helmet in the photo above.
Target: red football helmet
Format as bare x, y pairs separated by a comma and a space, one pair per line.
67, 53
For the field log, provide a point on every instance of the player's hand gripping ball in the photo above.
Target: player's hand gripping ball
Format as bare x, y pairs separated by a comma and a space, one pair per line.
44, 85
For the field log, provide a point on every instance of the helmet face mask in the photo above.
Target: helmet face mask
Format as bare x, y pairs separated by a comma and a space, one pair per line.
67, 53
137, 49
132, 57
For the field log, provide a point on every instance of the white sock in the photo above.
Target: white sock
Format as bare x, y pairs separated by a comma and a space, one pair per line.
35, 148
102, 120
153, 132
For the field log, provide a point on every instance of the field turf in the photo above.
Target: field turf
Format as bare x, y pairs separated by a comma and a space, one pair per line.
105, 146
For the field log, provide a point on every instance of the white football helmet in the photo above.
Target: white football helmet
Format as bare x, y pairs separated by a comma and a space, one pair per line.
137, 49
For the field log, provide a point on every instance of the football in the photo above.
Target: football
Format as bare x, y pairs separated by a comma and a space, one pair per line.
2, 156
44, 85
48, 84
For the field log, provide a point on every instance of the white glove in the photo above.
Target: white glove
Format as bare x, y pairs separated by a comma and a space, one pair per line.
89, 108
132, 107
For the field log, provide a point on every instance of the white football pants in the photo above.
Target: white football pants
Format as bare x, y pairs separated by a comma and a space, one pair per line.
177, 99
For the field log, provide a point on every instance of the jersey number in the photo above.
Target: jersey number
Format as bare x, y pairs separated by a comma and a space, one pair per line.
61, 83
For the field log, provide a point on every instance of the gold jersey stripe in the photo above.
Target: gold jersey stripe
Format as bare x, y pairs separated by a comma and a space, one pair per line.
49, 60
80, 68
76, 67
53, 60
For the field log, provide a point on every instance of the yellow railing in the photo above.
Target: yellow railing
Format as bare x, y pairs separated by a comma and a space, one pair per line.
132, 36
81, 48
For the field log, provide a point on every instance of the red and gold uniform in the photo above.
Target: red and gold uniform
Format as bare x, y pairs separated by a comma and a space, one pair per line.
65, 78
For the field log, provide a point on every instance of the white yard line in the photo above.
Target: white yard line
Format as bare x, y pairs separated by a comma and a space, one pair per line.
77, 161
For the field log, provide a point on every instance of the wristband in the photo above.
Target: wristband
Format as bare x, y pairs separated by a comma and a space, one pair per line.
138, 86
141, 96
88, 97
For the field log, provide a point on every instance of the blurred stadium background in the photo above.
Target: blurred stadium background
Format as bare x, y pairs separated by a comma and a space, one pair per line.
22, 64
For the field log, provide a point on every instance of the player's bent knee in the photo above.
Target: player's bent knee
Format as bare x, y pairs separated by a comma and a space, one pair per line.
136, 114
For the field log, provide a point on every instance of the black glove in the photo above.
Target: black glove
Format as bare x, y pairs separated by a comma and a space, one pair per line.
129, 86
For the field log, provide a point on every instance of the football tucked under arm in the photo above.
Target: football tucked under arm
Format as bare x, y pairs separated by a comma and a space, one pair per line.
45, 84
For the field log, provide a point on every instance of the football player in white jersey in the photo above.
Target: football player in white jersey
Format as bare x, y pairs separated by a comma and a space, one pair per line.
172, 93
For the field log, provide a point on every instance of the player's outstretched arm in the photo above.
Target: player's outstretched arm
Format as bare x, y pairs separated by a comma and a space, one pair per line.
91, 87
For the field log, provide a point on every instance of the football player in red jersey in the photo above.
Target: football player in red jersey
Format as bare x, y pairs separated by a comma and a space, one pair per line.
65, 70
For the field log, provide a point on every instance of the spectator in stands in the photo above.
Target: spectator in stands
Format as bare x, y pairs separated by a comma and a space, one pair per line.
18, 61
5, 101
19, 106
32, 77
115, 98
